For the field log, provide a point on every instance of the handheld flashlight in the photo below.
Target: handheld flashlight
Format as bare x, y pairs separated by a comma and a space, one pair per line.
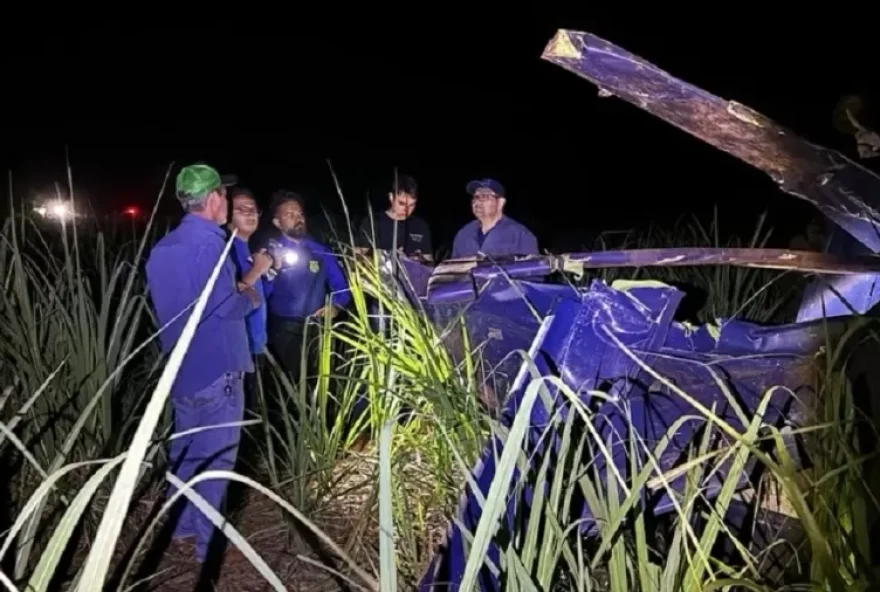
283, 257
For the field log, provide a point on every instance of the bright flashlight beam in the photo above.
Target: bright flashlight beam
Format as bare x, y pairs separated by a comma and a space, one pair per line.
291, 257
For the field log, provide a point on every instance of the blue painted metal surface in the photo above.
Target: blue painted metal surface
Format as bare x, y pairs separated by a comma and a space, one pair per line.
847, 193
579, 335
569, 333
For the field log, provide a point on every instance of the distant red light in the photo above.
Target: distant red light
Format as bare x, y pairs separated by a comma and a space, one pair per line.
131, 211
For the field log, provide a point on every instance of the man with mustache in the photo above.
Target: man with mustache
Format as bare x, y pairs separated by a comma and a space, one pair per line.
492, 233
297, 297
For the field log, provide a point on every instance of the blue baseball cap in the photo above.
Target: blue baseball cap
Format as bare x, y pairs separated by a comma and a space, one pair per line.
491, 184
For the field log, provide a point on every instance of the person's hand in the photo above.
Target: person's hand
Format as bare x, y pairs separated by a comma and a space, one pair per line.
324, 311
262, 261
363, 253
277, 259
422, 258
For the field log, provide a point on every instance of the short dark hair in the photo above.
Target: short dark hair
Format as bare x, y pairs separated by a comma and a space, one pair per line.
405, 184
239, 191
282, 196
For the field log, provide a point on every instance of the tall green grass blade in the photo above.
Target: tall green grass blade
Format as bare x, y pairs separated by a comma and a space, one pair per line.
45, 570
498, 490
222, 524
386, 518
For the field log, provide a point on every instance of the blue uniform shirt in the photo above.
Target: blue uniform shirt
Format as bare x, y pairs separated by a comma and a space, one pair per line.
299, 290
178, 269
507, 237
256, 320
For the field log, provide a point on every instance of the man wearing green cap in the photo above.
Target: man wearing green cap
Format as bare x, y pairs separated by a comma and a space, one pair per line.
208, 390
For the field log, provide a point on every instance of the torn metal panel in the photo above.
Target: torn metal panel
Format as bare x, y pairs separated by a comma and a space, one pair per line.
853, 285
842, 189
840, 296
780, 259
580, 336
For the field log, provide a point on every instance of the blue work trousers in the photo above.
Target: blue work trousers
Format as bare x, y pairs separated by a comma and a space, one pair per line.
212, 448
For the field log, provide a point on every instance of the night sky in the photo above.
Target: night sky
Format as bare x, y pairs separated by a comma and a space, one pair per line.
444, 96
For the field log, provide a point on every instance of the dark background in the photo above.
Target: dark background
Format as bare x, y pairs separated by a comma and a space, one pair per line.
445, 95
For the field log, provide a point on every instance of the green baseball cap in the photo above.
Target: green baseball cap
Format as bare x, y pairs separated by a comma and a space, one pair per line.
196, 180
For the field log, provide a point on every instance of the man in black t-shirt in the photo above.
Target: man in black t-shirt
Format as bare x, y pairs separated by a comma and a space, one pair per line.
413, 234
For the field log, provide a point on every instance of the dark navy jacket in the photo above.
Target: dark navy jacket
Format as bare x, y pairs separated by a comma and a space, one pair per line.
256, 320
507, 237
299, 290
178, 269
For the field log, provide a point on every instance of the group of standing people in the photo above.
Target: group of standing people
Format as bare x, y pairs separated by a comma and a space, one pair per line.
491, 233
266, 297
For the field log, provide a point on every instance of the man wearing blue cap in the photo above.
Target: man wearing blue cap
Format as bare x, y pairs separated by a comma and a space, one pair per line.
208, 390
492, 233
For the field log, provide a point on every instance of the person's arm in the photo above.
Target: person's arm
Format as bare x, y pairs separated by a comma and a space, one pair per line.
225, 301
261, 262
528, 243
337, 283
458, 245
170, 290
363, 236
427, 243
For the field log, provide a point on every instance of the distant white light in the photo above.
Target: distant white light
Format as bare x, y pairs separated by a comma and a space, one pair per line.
59, 209
55, 208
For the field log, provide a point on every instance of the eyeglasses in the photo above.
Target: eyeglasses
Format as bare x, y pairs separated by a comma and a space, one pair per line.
484, 197
246, 211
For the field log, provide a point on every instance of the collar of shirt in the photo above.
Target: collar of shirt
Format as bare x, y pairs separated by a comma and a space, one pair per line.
502, 223
193, 223
303, 243
291, 242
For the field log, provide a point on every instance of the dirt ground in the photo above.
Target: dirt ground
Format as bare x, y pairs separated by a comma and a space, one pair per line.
291, 553
261, 522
